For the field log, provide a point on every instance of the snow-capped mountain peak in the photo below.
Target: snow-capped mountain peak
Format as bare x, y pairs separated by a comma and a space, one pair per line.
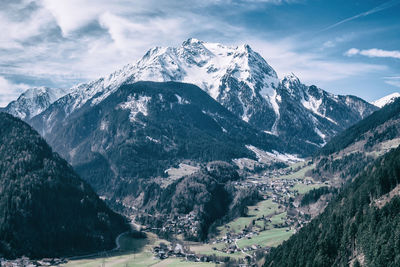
218, 69
33, 101
239, 79
386, 100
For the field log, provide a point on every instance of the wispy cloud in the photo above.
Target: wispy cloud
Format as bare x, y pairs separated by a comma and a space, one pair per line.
71, 41
312, 66
376, 9
374, 52
393, 80
10, 91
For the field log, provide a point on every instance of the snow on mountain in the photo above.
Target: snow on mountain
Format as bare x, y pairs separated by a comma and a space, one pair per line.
33, 101
210, 66
240, 80
386, 100
311, 115
136, 104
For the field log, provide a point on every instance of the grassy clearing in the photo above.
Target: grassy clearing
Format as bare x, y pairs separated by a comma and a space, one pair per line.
207, 249
265, 207
130, 260
300, 174
300, 164
303, 188
270, 238
279, 218
133, 252
172, 262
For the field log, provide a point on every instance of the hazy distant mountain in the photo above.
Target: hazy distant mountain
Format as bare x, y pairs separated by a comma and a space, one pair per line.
33, 101
238, 78
46, 210
386, 100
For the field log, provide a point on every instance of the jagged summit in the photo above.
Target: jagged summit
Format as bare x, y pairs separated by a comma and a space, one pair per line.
238, 78
232, 75
290, 80
33, 101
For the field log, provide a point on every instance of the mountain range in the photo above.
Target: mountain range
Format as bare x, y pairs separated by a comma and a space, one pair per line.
196, 103
236, 77
116, 131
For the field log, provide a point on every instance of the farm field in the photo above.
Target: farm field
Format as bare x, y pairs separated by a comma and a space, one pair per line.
270, 238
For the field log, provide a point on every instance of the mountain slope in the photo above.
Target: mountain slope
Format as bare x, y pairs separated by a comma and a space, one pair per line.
239, 79
310, 116
380, 126
362, 225
46, 210
142, 129
33, 101
207, 196
386, 100
354, 226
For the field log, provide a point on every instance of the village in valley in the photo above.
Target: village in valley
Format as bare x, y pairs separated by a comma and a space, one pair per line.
272, 220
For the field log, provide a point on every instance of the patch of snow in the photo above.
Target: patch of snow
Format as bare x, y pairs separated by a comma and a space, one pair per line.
275, 106
270, 133
314, 144
267, 157
136, 104
153, 140
103, 125
314, 105
181, 100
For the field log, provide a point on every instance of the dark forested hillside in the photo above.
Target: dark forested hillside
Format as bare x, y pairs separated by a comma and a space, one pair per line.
347, 154
357, 131
361, 226
46, 210
200, 200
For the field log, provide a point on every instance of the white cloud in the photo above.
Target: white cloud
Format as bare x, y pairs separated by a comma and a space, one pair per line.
339, 39
124, 31
394, 81
10, 91
374, 52
128, 34
311, 67
13, 30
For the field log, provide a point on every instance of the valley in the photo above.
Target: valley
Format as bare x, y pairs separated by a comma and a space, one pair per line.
228, 168
277, 213
267, 224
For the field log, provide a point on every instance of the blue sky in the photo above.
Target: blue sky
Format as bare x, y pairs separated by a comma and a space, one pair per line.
344, 47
